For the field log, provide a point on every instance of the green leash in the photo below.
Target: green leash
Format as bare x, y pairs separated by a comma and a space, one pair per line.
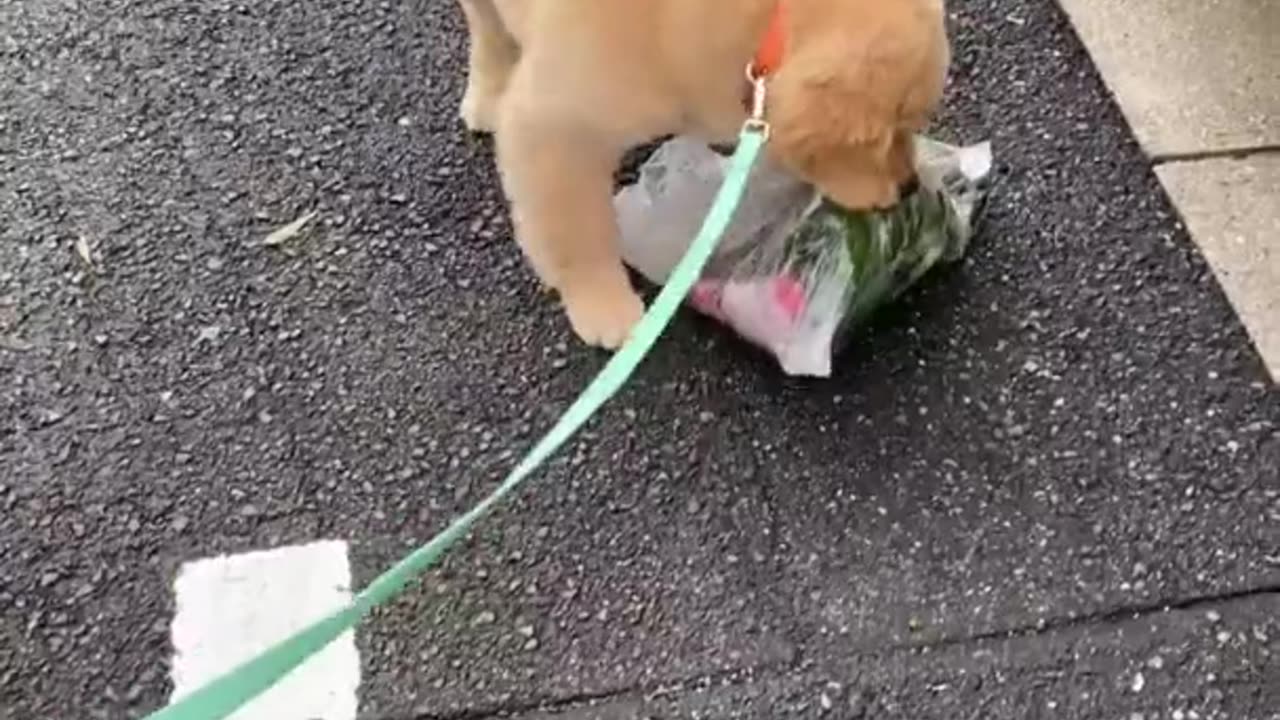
228, 692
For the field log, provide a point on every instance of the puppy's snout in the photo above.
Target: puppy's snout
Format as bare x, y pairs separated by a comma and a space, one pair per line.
887, 199
894, 192
861, 192
908, 187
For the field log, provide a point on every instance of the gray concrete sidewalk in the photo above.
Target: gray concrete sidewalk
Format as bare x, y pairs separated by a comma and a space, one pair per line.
1199, 83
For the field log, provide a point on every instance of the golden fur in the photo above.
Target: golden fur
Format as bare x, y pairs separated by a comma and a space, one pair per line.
568, 86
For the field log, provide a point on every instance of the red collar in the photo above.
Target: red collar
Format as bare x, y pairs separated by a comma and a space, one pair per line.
769, 53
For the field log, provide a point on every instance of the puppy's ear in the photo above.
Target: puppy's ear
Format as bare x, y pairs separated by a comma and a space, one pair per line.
835, 124
815, 112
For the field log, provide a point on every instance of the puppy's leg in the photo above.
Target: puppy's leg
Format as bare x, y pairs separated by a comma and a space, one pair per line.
558, 177
492, 57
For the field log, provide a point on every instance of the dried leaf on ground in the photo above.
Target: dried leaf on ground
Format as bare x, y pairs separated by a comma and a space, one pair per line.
15, 344
85, 253
284, 234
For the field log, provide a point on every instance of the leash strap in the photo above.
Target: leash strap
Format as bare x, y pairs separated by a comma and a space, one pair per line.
228, 692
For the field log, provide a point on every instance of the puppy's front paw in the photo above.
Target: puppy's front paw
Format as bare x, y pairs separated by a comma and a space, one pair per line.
479, 110
603, 313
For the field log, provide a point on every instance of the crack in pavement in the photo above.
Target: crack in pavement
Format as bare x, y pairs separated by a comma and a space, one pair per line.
779, 671
1230, 153
1097, 619
656, 690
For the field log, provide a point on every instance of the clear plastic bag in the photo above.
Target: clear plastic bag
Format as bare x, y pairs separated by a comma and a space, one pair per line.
795, 273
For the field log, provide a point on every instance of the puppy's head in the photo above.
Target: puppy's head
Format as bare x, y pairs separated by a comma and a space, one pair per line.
860, 79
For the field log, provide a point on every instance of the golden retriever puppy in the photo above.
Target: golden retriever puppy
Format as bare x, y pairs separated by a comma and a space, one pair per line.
568, 86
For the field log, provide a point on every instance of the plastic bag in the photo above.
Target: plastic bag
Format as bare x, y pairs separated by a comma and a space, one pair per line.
795, 273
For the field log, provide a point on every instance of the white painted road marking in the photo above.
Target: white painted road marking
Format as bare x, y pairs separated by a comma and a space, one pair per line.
233, 606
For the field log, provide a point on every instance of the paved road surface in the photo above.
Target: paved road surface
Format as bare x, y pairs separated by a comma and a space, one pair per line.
1045, 486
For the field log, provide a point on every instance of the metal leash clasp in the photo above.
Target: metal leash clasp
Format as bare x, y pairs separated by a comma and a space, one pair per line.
756, 122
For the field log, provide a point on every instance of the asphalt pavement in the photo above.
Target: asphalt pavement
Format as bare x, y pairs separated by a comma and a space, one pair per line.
1046, 484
